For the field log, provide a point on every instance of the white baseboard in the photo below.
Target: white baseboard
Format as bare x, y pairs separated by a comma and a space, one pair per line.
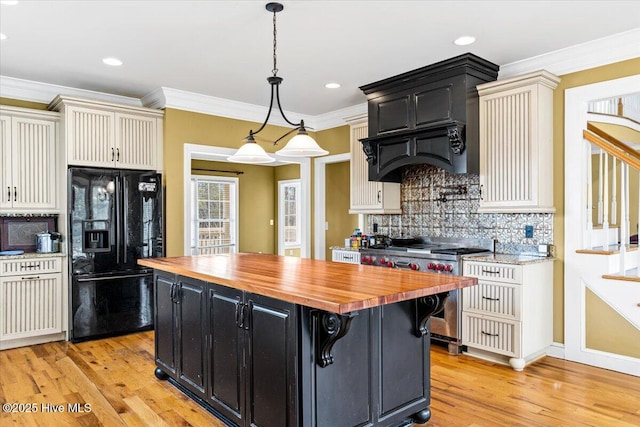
556, 350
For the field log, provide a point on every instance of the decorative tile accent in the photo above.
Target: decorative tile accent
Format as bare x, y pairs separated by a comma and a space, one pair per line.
436, 203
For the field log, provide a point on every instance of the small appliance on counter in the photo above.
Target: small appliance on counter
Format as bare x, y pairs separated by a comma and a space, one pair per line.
48, 242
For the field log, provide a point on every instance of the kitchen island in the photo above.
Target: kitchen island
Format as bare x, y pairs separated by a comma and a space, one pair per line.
268, 340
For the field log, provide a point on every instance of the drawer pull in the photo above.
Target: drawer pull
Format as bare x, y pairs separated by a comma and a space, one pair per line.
30, 266
348, 257
488, 334
30, 278
491, 299
491, 271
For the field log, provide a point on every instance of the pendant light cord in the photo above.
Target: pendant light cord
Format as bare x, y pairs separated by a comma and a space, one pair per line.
275, 81
275, 59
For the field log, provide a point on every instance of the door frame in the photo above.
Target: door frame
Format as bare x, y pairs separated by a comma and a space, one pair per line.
220, 154
575, 119
319, 192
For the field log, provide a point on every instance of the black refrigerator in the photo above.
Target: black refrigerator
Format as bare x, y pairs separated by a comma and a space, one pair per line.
115, 218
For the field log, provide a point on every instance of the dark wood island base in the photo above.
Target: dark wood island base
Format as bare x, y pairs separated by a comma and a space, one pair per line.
253, 356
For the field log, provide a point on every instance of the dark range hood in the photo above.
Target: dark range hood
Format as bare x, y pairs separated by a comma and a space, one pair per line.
426, 116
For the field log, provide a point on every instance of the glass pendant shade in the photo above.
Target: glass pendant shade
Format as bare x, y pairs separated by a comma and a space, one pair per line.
251, 152
302, 145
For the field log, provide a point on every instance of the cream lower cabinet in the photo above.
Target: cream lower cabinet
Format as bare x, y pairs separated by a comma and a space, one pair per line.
110, 135
516, 143
32, 301
29, 160
369, 197
508, 316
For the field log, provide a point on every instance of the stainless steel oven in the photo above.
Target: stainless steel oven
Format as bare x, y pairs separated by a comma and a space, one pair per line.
433, 255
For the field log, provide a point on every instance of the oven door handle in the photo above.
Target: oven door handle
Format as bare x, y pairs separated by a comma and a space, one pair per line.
402, 264
125, 276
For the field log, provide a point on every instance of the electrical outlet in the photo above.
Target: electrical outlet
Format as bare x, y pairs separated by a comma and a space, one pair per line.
528, 231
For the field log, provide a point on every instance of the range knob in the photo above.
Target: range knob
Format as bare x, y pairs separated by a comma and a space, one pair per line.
390, 264
383, 261
448, 268
439, 267
414, 267
431, 266
372, 260
364, 260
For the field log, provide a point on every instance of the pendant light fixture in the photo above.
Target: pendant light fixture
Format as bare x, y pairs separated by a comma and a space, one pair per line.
301, 145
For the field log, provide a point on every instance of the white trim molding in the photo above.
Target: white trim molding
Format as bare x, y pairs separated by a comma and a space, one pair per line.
319, 189
595, 53
206, 152
607, 50
28, 90
576, 269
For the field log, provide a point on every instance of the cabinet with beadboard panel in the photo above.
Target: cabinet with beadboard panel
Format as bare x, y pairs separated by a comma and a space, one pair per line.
508, 317
29, 161
99, 134
516, 143
32, 301
369, 197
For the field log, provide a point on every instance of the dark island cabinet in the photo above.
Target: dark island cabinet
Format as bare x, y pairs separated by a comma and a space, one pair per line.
252, 363
258, 361
180, 340
379, 370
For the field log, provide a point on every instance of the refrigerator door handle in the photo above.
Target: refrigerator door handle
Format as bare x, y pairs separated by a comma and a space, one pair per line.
103, 278
118, 219
125, 219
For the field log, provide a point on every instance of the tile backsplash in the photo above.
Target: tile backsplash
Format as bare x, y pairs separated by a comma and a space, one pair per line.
436, 203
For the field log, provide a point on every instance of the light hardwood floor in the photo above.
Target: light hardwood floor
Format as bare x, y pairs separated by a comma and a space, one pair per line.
115, 377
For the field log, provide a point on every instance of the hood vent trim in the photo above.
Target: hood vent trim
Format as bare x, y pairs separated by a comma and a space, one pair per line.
426, 116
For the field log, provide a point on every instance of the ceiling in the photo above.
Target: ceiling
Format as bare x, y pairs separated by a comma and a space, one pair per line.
224, 48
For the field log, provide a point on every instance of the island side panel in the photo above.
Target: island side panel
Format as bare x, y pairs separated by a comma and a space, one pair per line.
379, 375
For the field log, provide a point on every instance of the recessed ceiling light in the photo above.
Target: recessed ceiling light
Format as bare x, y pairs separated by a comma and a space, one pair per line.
9, 2
2, 37
464, 40
112, 61
332, 85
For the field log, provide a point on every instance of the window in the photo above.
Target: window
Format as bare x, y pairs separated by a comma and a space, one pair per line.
214, 215
289, 208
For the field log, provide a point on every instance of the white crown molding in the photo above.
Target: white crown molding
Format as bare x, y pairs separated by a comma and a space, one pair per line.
595, 53
28, 90
166, 97
607, 50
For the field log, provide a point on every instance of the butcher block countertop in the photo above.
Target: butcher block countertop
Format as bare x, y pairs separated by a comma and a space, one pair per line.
332, 286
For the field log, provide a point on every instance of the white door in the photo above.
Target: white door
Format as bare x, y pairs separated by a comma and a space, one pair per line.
580, 272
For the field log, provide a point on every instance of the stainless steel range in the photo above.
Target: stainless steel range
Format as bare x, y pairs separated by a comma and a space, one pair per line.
432, 255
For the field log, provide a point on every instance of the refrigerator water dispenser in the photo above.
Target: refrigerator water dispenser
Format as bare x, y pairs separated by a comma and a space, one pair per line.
94, 237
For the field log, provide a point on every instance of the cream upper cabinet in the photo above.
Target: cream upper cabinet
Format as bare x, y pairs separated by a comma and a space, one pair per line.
29, 159
369, 197
516, 143
110, 135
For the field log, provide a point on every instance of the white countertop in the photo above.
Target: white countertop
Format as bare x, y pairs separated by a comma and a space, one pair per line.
28, 255
508, 258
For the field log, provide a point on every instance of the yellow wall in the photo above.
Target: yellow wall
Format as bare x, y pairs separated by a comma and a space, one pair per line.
256, 204
341, 224
182, 127
22, 104
600, 335
581, 78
